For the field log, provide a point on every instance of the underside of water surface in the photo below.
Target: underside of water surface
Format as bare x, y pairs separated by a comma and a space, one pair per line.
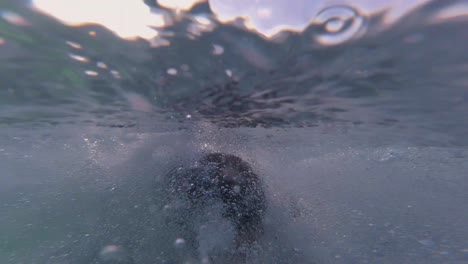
352, 115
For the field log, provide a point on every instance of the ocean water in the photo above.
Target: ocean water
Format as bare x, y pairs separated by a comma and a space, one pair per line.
353, 114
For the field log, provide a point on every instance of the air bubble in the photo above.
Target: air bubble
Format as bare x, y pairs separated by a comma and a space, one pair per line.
112, 253
338, 24
14, 18
172, 71
91, 73
74, 45
101, 65
179, 243
78, 58
116, 74
217, 49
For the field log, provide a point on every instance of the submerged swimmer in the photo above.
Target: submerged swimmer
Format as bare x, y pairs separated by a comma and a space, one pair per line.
125, 233
230, 180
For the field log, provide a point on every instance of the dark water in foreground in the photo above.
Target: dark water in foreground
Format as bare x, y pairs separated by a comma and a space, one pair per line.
362, 146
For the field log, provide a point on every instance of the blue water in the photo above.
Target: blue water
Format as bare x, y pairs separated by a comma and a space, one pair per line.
360, 138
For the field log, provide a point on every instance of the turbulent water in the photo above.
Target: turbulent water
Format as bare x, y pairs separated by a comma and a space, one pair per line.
359, 135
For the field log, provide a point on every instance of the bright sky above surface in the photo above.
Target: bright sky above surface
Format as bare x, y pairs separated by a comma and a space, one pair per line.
132, 18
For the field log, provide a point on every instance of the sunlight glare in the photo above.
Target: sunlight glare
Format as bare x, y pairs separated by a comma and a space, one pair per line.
127, 18
184, 5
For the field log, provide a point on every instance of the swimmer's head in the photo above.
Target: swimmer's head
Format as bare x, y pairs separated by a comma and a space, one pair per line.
232, 181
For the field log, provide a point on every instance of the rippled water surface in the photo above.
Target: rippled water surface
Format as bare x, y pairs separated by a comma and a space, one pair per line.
353, 114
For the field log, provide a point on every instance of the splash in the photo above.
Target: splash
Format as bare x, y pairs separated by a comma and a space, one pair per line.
134, 19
